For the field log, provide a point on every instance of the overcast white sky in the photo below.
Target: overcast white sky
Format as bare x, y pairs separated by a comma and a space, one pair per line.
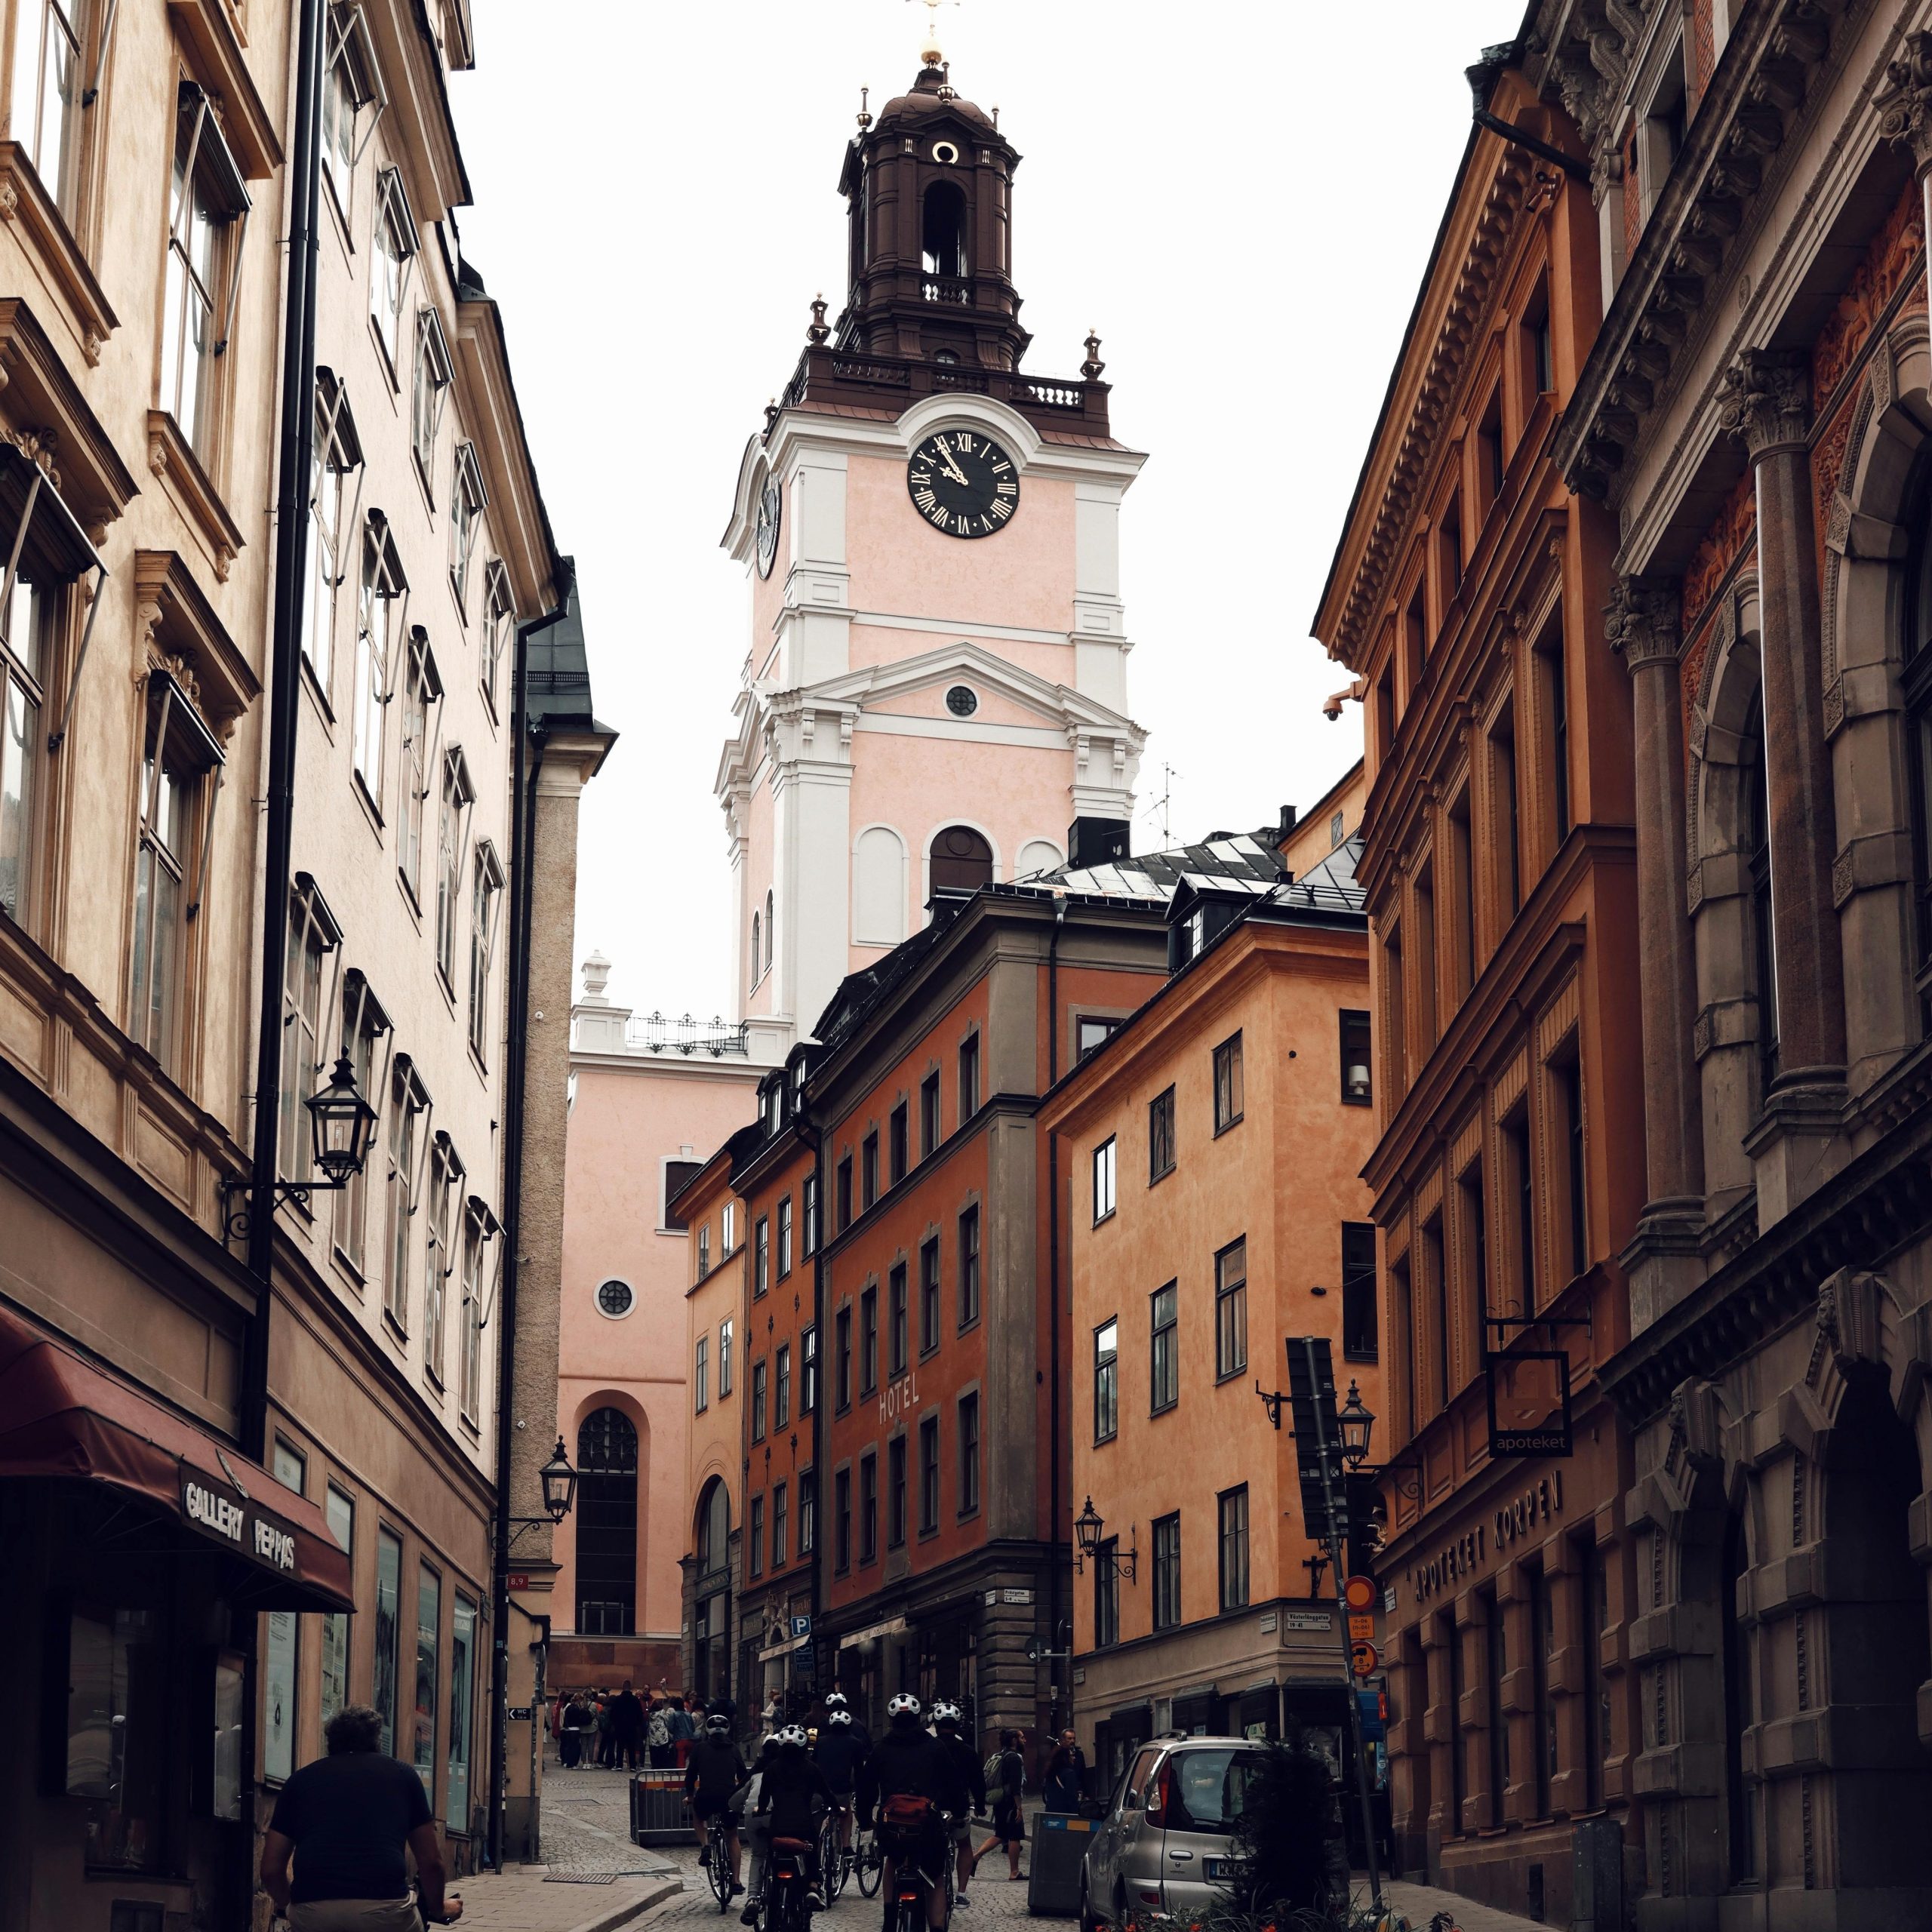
1241, 198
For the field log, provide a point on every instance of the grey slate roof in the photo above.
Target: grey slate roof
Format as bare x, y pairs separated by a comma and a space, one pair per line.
1237, 862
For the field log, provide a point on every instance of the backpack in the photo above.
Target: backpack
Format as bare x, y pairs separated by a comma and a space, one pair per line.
660, 1729
994, 1771
905, 1811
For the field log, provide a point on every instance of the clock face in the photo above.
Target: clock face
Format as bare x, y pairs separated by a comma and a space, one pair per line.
963, 483
771, 509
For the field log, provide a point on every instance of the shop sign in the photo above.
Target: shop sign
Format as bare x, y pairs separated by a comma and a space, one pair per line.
1529, 1403
233, 1520
1464, 1555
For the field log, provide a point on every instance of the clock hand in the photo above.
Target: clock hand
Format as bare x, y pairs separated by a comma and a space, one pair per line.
945, 456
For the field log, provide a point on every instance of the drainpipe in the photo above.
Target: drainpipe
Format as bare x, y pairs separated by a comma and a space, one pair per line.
1053, 1303
816, 1140
527, 747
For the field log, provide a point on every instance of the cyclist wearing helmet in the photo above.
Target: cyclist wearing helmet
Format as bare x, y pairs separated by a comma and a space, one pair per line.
792, 1792
713, 1771
907, 1765
968, 1788
837, 1700
840, 1753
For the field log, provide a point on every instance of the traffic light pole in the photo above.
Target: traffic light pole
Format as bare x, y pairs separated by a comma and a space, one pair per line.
1338, 1534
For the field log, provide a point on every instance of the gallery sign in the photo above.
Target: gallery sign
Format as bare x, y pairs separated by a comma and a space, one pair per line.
229, 1518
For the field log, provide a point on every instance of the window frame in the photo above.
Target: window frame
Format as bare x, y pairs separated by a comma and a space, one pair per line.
469, 497
394, 244
967, 1409
432, 374
931, 1131
1106, 1380
929, 1474
899, 1321
1106, 1165
1230, 1091
968, 1292
969, 1076
207, 241
1161, 1137
784, 1218
485, 916
1354, 1277
1354, 1020
1230, 1312
930, 1291
1164, 1595
1233, 1548
1164, 1349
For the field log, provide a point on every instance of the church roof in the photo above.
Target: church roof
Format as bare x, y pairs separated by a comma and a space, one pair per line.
1232, 862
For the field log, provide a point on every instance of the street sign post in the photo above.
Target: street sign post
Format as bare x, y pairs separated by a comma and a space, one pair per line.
1363, 1660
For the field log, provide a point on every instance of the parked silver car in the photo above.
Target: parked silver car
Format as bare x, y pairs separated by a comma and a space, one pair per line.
1163, 1847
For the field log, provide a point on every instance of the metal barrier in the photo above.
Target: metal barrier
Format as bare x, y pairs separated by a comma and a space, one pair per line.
658, 1815
1060, 1839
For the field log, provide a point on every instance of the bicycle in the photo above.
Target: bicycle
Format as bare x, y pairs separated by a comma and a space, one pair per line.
865, 1861
834, 1858
717, 1858
914, 1881
787, 1907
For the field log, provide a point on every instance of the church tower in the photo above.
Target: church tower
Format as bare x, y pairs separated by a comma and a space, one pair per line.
935, 694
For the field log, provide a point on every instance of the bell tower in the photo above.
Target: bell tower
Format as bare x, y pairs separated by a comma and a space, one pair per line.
928, 187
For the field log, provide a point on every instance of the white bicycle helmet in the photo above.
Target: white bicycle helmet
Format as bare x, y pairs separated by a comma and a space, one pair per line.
838, 1717
835, 1700
945, 1714
789, 1733
903, 1705
717, 1724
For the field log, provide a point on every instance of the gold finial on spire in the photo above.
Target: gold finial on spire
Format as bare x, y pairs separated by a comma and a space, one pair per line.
929, 52
865, 112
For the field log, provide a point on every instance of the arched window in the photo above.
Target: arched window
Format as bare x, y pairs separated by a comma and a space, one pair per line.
714, 1528
607, 1464
1754, 847
770, 933
943, 243
757, 969
878, 887
962, 861
1037, 855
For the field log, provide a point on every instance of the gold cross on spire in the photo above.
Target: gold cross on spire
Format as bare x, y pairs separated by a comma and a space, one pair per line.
930, 53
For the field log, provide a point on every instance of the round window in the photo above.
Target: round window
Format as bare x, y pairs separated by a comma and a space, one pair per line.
962, 701
615, 1298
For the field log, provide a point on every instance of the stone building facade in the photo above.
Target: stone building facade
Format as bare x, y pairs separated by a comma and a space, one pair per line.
1754, 415
1498, 865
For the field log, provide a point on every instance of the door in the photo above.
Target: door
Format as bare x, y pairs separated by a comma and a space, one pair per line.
1201, 1793
1121, 1829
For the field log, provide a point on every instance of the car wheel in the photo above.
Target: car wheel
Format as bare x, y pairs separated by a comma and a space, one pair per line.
1090, 1920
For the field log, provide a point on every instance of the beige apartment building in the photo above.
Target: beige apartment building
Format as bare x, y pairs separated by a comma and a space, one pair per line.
236, 1504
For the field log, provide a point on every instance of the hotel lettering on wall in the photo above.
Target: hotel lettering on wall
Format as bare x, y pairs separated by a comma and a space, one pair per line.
1465, 1555
899, 1397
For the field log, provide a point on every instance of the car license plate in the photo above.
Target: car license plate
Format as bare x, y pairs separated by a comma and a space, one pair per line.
1218, 1869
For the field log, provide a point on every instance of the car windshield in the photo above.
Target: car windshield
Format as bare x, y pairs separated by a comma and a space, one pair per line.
1211, 1788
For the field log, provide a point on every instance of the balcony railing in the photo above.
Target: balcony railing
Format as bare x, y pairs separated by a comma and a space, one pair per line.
955, 291
826, 375
655, 1033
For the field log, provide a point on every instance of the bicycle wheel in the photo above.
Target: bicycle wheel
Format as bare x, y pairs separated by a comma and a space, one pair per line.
718, 1867
870, 1867
831, 1866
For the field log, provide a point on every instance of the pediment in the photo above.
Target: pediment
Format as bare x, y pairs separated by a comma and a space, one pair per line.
915, 687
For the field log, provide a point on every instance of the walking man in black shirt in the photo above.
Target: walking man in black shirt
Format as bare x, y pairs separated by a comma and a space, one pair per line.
346, 1819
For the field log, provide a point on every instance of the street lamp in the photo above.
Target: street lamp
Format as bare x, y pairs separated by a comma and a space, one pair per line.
1087, 1528
341, 1125
1357, 1422
559, 1484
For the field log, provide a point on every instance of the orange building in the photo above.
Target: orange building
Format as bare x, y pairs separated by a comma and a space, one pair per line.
1214, 1144
1499, 865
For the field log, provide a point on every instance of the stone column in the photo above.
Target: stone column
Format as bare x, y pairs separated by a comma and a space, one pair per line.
1766, 402
1662, 1263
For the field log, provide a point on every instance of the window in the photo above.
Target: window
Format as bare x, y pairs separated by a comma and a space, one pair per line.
1227, 1084
781, 1527
759, 1378
1233, 1548
869, 1509
724, 1357
1754, 846
755, 1535
868, 1170
677, 1176
704, 1250
761, 1256
27, 631
807, 1513
1359, 1317
969, 1267
1090, 1035
363, 1023
1538, 348
350, 84
467, 499
117, 1734
1449, 550
1521, 1181
179, 751
338, 452
1395, 1038
961, 860
969, 1077
1566, 1078
1489, 453
842, 1330
1164, 1359
895, 1519
929, 1127
842, 1520
1106, 1594
1462, 890
463, 1678
808, 1370
701, 1375
421, 688
1160, 1136
439, 1264
428, 1626
784, 1236
1357, 1082
474, 1233
208, 209
1435, 1308
929, 1296
810, 1192
898, 1128
842, 1185
1549, 657
1403, 1372
782, 1404
383, 587
456, 795
408, 1099
389, 1634
1502, 810
969, 1455
392, 254
428, 389
928, 1474
486, 889
312, 937
50, 45
606, 1521
755, 974
1106, 1380
869, 1341
1496, 1658
339, 1509
1104, 1179
279, 1662
897, 1315
499, 624
1231, 1309
1167, 1571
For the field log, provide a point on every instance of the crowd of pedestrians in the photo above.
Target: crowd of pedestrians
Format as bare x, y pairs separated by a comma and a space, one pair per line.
621, 1731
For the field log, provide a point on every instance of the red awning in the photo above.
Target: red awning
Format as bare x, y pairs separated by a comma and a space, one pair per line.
61, 1416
